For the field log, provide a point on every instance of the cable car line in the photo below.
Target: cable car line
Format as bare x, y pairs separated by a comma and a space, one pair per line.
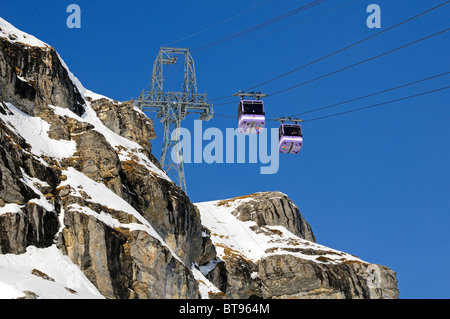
292, 143
259, 26
370, 95
350, 66
378, 104
351, 100
256, 36
357, 109
217, 24
348, 47
334, 53
251, 112
225, 103
360, 62
290, 135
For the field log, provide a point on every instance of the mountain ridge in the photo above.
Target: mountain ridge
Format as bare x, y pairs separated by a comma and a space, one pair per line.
79, 184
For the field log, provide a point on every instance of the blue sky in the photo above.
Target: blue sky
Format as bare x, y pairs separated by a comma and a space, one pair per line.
373, 183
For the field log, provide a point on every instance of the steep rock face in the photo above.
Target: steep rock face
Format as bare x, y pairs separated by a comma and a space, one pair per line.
34, 77
166, 207
11, 155
127, 121
271, 209
312, 280
32, 225
129, 228
122, 263
265, 249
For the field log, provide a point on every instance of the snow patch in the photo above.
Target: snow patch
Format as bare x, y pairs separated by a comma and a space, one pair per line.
35, 131
31, 183
11, 208
254, 275
14, 35
205, 286
19, 273
125, 148
247, 240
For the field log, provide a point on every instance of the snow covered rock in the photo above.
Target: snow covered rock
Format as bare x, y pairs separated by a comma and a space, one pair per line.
77, 173
265, 249
43, 273
32, 74
270, 209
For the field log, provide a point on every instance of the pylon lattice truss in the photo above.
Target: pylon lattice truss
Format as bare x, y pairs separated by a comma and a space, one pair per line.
172, 108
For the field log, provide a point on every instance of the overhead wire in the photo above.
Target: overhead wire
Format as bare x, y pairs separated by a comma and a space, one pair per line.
218, 24
360, 62
298, 10
378, 104
349, 46
370, 95
365, 107
302, 21
332, 54
309, 5
354, 99
257, 27
353, 65
279, 29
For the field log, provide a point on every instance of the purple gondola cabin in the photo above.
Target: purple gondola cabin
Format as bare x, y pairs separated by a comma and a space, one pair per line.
290, 138
251, 116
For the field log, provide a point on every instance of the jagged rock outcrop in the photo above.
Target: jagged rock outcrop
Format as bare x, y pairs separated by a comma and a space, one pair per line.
33, 77
127, 121
272, 209
348, 280
77, 175
267, 250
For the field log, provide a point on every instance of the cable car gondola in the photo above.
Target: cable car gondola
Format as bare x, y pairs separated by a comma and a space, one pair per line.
251, 114
290, 138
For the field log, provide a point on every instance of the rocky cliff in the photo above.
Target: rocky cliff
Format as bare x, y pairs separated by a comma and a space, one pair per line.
265, 249
80, 188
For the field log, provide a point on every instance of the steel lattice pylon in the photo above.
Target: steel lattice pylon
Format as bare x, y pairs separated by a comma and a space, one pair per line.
172, 107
